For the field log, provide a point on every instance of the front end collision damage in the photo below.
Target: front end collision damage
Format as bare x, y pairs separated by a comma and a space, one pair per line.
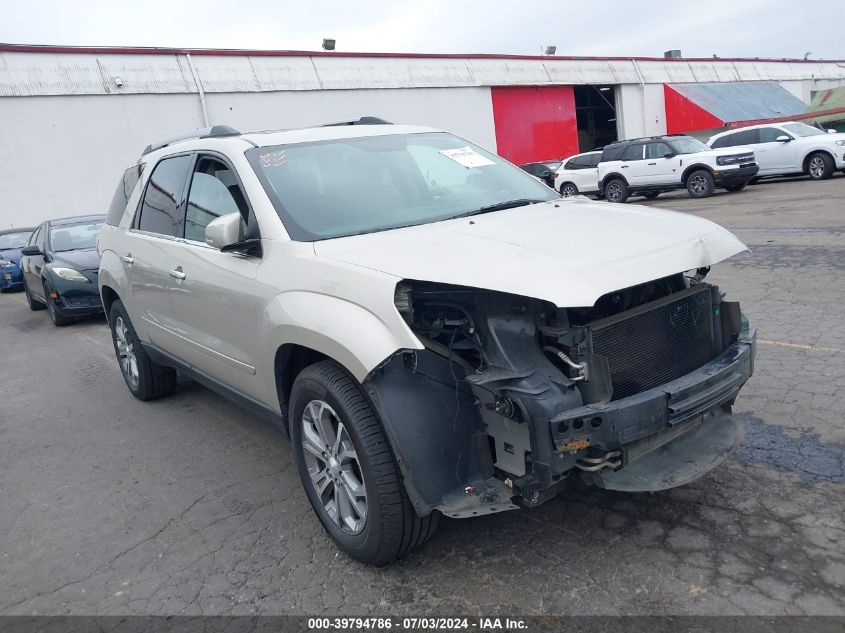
508, 398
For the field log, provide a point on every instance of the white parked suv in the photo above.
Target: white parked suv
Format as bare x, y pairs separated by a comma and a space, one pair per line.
649, 166
788, 148
578, 174
435, 330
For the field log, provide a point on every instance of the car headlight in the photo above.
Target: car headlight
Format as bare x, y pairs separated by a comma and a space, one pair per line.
69, 274
840, 143
5, 263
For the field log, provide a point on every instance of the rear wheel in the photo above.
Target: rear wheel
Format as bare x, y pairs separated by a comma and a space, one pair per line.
146, 380
568, 190
348, 469
34, 304
700, 184
737, 187
616, 190
820, 166
52, 309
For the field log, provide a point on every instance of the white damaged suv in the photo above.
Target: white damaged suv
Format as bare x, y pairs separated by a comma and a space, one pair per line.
437, 331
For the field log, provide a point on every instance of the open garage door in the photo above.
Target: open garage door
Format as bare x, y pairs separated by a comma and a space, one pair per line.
595, 108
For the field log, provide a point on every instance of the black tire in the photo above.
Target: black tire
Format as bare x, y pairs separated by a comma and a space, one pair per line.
651, 195
736, 187
568, 190
57, 319
754, 180
700, 184
616, 190
391, 527
820, 166
154, 380
34, 304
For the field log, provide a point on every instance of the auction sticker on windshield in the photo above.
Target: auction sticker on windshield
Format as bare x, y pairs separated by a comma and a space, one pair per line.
467, 157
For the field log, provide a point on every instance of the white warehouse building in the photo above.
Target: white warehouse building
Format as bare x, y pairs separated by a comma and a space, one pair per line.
71, 119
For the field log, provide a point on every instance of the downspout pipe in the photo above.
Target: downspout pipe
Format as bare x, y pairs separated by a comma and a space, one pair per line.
201, 92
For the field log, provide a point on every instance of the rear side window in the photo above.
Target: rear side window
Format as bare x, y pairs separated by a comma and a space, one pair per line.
744, 137
633, 152
122, 194
613, 152
770, 134
159, 210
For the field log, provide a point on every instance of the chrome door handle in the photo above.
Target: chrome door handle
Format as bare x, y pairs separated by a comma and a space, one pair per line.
624, 166
177, 274
652, 163
127, 259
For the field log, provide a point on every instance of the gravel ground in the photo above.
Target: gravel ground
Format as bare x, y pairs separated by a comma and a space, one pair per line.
189, 505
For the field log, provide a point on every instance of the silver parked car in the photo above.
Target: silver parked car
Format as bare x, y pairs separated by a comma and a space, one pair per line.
437, 331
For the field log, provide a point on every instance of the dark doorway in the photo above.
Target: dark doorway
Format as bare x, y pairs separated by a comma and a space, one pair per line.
595, 110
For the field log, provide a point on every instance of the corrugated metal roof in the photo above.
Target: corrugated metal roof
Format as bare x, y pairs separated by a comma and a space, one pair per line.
742, 100
30, 71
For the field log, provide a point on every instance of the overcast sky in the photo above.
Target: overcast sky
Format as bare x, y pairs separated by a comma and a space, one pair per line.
747, 28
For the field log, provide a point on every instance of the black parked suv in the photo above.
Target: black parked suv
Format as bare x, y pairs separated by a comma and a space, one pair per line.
649, 166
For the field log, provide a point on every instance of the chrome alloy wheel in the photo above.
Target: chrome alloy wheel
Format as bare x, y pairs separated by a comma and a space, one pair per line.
334, 467
613, 192
816, 167
568, 191
698, 184
126, 352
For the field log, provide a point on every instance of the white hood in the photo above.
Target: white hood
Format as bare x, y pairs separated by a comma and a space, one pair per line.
567, 252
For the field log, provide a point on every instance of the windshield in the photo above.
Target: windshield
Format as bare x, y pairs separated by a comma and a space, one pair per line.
14, 240
687, 145
802, 129
74, 237
341, 187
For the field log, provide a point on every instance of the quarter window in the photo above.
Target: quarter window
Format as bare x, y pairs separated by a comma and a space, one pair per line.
159, 211
214, 192
122, 194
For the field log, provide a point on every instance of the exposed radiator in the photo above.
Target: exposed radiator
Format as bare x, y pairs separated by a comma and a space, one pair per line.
656, 342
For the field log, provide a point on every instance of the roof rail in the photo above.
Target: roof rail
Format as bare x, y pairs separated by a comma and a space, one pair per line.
364, 120
209, 132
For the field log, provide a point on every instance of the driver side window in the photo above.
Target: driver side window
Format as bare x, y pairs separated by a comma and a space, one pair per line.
214, 192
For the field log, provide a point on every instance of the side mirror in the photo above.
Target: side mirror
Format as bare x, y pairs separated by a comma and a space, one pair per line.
669, 155
783, 138
831, 131
31, 250
224, 231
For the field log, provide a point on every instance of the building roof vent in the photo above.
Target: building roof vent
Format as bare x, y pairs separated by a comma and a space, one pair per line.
675, 53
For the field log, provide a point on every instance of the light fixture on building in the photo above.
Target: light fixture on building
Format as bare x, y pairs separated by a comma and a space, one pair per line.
604, 88
328, 44
550, 50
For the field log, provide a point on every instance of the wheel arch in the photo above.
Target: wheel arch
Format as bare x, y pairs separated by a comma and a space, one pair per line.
805, 162
695, 167
610, 177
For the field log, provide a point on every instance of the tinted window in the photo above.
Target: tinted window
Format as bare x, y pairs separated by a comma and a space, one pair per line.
657, 150
633, 152
595, 159
723, 141
612, 152
571, 164
121, 195
745, 137
214, 192
770, 134
162, 197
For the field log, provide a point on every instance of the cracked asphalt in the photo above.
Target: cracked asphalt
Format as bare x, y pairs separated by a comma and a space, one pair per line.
190, 505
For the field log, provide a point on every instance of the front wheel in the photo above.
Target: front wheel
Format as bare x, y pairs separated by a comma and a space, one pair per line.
146, 379
348, 469
700, 184
52, 309
616, 190
568, 190
33, 303
820, 166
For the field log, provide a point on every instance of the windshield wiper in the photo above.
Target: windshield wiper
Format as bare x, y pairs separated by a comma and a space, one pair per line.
501, 206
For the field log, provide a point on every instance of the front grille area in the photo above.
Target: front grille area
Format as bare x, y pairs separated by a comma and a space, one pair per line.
747, 157
656, 342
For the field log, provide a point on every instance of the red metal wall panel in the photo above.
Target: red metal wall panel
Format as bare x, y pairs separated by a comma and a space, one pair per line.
682, 115
535, 122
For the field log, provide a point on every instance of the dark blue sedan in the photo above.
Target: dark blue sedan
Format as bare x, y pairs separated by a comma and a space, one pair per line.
11, 243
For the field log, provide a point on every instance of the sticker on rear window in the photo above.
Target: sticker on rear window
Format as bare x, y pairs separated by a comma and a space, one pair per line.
467, 157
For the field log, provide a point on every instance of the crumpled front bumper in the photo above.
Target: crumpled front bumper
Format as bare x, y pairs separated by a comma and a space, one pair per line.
663, 437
